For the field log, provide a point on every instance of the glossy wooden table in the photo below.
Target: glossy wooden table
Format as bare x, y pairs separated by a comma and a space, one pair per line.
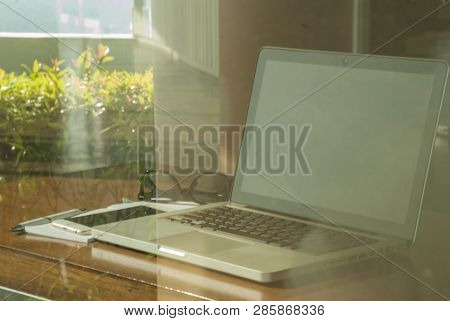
61, 270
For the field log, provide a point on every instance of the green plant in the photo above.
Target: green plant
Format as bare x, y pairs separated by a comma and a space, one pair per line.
38, 106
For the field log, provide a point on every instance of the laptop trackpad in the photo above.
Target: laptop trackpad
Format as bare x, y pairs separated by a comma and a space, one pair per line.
200, 243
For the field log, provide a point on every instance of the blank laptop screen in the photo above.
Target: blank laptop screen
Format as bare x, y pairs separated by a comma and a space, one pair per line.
367, 136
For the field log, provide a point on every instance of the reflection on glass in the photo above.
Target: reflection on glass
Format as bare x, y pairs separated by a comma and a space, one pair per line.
67, 16
200, 188
68, 131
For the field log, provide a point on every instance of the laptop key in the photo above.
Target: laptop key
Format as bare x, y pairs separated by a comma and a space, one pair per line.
193, 216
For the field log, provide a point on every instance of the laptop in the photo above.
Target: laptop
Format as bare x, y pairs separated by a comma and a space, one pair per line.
365, 132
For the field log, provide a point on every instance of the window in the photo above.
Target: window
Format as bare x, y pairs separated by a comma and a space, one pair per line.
67, 16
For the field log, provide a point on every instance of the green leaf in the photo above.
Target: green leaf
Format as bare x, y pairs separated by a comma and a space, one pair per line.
20, 156
107, 59
36, 66
26, 68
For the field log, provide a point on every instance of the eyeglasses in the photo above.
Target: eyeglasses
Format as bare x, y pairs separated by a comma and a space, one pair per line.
203, 187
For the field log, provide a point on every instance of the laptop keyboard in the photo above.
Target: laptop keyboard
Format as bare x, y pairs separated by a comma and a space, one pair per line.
271, 230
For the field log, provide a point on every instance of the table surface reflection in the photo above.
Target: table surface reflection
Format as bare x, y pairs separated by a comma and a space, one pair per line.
62, 270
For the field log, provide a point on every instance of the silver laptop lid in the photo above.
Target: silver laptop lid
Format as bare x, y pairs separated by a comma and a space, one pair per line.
341, 138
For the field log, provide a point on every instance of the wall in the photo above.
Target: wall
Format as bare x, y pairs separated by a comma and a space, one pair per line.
246, 26
428, 39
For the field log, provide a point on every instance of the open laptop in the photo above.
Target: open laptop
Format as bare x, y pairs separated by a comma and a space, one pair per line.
371, 126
